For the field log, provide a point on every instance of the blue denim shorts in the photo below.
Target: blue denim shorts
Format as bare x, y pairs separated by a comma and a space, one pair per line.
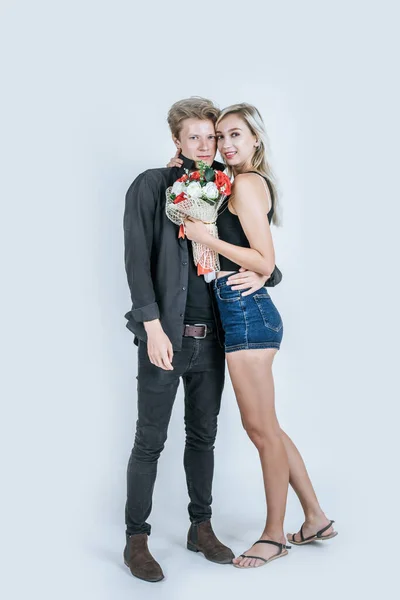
250, 322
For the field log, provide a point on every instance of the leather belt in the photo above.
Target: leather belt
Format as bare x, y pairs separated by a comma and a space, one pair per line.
198, 331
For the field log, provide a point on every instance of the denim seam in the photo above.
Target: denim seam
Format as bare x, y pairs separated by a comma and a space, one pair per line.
227, 299
243, 305
252, 346
195, 354
264, 318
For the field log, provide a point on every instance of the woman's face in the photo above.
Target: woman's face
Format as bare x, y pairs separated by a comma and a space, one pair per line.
236, 143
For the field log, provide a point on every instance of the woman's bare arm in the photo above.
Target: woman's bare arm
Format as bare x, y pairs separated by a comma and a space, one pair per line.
251, 205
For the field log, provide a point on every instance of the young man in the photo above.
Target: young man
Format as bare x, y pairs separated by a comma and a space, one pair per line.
178, 336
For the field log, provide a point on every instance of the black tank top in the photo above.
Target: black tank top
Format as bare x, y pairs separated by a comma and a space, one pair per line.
231, 231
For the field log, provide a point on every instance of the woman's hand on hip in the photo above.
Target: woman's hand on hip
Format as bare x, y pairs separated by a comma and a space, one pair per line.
246, 280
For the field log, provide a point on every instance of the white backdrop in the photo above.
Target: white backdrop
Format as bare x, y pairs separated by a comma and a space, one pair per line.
86, 89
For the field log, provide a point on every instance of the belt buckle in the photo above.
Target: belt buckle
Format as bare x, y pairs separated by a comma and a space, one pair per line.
200, 337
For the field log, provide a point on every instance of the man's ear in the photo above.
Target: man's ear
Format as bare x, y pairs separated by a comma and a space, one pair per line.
176, 142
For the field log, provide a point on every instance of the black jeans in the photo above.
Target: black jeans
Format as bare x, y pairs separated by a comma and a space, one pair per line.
201, 364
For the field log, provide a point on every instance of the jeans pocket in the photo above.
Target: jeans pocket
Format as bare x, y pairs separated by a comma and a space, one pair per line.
270, 315
226, 294
260, 293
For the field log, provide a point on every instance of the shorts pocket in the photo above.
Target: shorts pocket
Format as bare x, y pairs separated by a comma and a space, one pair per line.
271, 317
260, 293
226, 294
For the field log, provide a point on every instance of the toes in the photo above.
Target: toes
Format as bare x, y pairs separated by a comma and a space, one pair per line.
251, 563
239, 563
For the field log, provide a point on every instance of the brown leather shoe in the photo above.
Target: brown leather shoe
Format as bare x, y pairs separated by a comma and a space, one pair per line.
201, 538
138, 558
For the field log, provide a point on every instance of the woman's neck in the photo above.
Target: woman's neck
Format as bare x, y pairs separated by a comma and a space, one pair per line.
245, 168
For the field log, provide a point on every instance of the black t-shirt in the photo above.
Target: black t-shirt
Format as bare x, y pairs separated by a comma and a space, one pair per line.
198, 303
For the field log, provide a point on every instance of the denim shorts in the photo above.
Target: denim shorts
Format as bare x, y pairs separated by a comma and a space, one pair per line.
250, 322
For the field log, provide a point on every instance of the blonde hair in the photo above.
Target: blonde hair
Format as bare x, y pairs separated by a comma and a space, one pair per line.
259, 161
194, 107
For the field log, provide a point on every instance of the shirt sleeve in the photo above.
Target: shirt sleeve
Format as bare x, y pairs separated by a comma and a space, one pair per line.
140, 205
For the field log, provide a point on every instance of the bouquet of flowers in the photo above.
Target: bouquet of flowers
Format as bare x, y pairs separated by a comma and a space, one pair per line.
199, 195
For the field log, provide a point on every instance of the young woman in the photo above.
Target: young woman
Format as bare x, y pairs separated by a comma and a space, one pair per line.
253, 329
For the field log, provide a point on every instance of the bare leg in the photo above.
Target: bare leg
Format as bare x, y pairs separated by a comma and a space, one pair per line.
252, 380
315, 518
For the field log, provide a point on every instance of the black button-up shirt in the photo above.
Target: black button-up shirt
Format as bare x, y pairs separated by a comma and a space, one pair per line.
156, 261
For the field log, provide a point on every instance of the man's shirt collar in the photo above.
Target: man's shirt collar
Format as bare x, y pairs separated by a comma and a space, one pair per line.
190, 164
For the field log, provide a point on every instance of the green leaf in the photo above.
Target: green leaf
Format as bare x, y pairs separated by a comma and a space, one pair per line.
202, 166
209, 174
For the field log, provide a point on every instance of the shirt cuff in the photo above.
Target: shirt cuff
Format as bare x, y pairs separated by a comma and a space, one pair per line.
146, 313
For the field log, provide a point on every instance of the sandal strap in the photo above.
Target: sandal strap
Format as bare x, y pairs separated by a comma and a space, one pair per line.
316, 535
257, 557
280, 546
321, 531
301, 533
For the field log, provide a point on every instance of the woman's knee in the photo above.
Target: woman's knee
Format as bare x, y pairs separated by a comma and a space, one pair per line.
263, 435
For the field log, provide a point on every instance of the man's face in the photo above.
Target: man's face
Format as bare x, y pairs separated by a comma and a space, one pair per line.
197, 140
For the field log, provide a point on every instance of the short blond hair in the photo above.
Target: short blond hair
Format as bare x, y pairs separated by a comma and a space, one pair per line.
194, 107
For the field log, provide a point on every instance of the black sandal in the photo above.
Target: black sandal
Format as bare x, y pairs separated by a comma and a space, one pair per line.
313, 538
283, 550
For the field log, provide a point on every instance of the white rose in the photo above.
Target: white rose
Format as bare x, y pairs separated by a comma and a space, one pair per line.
211, 191
178, 188
194, 189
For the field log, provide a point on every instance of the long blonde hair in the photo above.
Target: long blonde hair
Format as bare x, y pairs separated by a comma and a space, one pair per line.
259, 161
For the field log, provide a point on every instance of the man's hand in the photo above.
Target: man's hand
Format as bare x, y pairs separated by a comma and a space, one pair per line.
246, 280
159, 347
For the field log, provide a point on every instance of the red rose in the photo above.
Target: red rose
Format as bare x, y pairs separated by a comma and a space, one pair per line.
183, 178
223, 181
219, 179
195, 176
179, 198
228, 187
